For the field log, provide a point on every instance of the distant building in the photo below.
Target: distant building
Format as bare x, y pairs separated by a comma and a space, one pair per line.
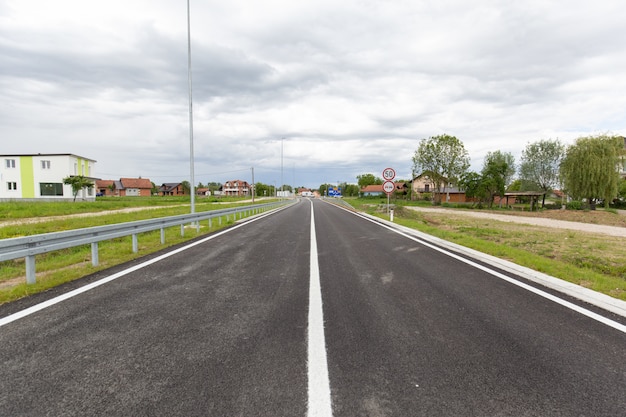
125, 187
40, 176
372, 190
236, 188
172, 188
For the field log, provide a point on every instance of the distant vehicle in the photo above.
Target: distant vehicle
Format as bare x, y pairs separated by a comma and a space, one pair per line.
307, 194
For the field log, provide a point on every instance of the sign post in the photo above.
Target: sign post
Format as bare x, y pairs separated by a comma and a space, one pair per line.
388, 186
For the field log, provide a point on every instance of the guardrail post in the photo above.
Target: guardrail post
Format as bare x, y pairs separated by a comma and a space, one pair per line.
162, 236
135, 244
94, 254
210, 223
220, 220
30, 269
182, 230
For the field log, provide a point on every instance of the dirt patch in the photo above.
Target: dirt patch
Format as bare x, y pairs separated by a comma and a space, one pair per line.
600, 222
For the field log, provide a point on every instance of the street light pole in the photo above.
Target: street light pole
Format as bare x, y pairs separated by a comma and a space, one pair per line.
191, 158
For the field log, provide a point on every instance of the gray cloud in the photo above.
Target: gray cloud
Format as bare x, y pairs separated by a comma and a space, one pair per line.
351, 86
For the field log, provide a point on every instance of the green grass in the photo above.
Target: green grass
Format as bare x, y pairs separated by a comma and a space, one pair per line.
62, 266
593, 261
22, 210
596, 262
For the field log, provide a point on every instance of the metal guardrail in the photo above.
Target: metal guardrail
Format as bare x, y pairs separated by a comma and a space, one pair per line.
29, 246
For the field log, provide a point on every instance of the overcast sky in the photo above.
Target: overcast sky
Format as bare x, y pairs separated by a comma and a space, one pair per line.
352, 86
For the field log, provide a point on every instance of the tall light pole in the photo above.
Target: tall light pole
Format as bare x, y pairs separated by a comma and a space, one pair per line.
191, 168
282, 193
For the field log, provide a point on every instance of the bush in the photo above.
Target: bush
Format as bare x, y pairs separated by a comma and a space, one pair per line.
574, 205
618, 204
552, 206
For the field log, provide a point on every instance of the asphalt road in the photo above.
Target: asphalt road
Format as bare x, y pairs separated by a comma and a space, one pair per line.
223, 328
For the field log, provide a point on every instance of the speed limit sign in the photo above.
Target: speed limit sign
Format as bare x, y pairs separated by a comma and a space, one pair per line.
389, 174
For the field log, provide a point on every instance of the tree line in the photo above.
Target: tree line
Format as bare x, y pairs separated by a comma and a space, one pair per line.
588, 170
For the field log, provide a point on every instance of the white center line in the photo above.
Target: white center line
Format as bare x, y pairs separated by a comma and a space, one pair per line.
319, 404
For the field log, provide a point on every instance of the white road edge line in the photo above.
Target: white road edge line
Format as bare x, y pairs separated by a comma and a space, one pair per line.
319, 401
537, 291
38, 307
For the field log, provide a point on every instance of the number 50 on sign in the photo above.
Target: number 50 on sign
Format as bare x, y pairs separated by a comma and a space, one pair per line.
389, 174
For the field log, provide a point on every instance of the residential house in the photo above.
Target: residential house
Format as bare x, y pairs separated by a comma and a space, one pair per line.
400, 188
136, 187
236, 188
172, 188
305, 192
129, 187
203, 192
107, 188
372, 190
423, 187
40, 176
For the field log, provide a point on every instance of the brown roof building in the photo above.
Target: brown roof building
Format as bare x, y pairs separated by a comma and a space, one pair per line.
131, 187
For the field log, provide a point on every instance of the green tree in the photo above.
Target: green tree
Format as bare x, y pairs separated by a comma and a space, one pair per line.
368, 179
262, 190
350, 190
497, 173
214, 186
78, 182
539, 166
445, 159
472, 183
590, 168
621, 192
186, 187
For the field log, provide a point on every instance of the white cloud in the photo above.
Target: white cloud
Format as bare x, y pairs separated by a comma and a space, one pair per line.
352, 86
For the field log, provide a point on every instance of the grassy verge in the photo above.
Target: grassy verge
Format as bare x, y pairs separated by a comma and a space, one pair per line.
22, 210
594, 261
66, 265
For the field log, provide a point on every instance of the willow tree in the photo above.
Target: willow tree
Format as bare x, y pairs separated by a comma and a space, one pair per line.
444, 158
590, 168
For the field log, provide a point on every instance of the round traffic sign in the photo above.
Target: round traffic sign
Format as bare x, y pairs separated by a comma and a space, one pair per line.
388, 187
389, 174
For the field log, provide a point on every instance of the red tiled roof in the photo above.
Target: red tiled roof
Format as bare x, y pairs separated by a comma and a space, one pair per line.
104, 183
136, 183
374, 188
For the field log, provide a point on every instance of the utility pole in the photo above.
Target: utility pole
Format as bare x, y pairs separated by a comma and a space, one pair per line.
193, 180
252, 184
282, 182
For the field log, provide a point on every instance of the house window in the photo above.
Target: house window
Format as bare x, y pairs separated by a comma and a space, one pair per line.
45, 164
11, 186
51, 188
10, 163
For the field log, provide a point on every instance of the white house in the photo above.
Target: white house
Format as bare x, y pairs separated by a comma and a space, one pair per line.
40, 176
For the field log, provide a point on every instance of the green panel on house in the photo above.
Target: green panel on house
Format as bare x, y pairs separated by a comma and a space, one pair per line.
27, 177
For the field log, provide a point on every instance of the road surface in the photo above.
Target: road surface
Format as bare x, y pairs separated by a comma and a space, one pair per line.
311, 311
